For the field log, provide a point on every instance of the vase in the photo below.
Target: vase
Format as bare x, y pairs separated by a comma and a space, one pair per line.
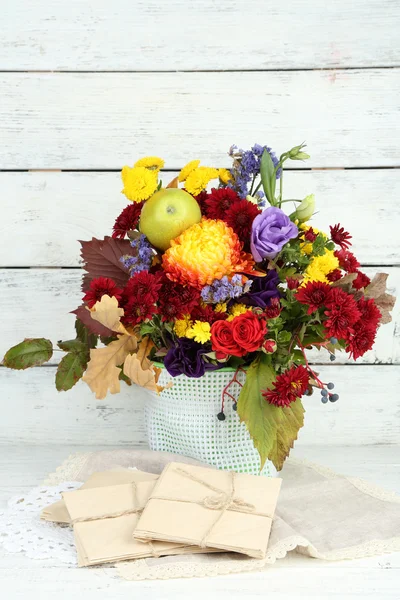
183, 419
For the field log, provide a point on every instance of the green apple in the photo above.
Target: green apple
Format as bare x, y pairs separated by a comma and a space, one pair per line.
166, 215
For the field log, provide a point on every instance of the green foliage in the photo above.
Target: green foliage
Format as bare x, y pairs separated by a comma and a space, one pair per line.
71, 368
273, 429
83, 334
29, 353
268, 177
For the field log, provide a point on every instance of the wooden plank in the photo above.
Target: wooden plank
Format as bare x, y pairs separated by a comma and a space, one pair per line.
37, 302
143, 36
34, 412
51, 210
103, 121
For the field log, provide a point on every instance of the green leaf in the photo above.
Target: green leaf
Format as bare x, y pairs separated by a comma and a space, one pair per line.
75, 345
146, 329
29, 353
70, 370
107, 340
83, 334
273, 429
268, 176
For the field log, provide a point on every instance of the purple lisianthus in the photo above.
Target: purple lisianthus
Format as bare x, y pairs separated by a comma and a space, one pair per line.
186, 358
263, 289
271, 230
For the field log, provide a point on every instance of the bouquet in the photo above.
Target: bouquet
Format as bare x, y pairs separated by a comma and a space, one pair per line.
213, 271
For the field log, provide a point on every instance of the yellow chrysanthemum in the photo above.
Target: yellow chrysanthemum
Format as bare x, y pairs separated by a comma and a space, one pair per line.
320, 267
206, 251
187, 169
139, 183
182, 325
200, 332
224, 175
150, 162
236, 310
220, 307
199, 178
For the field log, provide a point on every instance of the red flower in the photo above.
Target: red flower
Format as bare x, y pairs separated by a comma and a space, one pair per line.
361, 281
370, 313
293, 283
136, 311
340, 236
249, 331
219, 201
201, 200
289, 386
342, 314
127, 220
347, 261
176, 300
314, 294
98, 288
207, 314
222, 341
310, 235
240, 216
274, 309
143, 286
361, 340
269, 346
334, 275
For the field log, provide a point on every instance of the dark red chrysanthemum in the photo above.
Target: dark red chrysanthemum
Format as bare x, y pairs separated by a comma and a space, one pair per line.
99, 287
207, 314
314, 294
127, 220
334, 275
136, 311
176, 300
293, 283
240, 216
361, 340
370, 313
142, 286
310, 235
218, 202
347, 261
342, 312
274, 309
201, 200
340, 236
288, 386
361, 281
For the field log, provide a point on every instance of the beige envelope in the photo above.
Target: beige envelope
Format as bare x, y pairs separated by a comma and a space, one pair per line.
225, 510
57, 511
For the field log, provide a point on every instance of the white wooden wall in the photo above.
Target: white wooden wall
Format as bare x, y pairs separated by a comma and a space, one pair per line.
86, 87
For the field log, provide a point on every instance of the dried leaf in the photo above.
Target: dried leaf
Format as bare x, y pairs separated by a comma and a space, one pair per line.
139, 368
102, 374
93, 326
173, 183
101, 258
107, 312
384, 301
346, 283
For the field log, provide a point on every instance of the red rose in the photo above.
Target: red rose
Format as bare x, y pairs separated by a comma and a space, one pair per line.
222, 340
249, 331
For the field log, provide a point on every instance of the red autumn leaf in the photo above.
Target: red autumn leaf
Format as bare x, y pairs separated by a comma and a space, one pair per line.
101, 258
94, 326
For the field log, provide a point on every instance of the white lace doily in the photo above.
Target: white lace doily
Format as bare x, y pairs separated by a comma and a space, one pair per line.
22, 530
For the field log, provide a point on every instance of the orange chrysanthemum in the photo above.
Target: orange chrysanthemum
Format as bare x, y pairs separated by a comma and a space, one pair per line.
204, 252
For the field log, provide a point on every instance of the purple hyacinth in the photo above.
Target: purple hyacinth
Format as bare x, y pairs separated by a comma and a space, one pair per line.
143, 257
221, 290
247, 166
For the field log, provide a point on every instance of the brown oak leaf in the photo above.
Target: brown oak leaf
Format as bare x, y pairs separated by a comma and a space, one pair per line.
102, 374
93, 326
101, 258
378, 291
346, 283
107, 312
141, 370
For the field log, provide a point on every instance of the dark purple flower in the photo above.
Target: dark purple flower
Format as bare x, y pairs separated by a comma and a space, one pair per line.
263, 289
246, 166
187, 358
271, 230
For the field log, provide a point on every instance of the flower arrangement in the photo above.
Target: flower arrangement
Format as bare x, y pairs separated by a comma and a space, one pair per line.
211, 271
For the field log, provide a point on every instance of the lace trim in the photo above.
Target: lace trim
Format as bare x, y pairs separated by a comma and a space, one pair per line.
69, 468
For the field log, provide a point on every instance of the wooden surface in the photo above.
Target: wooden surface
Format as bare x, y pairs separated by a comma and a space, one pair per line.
294, 577
86, 87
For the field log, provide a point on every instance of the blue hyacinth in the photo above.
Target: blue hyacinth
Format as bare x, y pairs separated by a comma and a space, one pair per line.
143, 256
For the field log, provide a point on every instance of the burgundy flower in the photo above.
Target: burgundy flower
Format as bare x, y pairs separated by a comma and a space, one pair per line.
127, 220
288, 386
340, 236
98, 288
347, 261
314, 295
